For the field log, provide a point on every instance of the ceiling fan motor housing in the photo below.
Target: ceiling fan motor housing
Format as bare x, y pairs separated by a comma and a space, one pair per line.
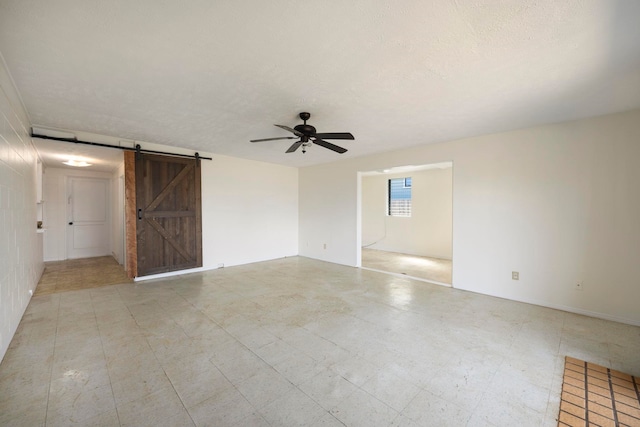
307, 130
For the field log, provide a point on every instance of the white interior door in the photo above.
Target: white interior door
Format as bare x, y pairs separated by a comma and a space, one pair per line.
88, 217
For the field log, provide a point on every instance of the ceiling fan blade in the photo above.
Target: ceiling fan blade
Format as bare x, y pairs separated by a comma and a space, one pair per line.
293, 131
294, 147
335, 135
272, 139
329, 145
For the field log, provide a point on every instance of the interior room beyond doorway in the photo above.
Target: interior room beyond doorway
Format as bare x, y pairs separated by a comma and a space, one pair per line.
407, 221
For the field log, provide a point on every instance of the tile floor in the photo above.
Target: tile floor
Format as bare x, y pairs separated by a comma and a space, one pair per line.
422, 267
295, 342
74, 274
598, 395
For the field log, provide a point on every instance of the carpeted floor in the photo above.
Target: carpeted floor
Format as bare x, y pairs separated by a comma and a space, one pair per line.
84, 273
595, 395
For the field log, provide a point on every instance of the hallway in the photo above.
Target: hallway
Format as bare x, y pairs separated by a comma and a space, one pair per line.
83, 273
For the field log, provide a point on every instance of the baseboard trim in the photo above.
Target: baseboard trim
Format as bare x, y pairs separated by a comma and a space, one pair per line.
561, 307
589, 313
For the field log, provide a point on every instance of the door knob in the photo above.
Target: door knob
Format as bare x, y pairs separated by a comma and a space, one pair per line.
71, 223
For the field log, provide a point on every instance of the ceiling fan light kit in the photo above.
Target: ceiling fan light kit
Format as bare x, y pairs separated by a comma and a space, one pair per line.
309, 136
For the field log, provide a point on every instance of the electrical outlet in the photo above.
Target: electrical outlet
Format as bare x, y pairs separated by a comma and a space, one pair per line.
221, 265
515, 275
579, 285
324, 246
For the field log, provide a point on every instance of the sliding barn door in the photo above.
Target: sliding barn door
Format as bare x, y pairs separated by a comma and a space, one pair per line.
168, 215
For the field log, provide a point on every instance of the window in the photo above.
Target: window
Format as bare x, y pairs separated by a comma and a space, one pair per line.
399, 197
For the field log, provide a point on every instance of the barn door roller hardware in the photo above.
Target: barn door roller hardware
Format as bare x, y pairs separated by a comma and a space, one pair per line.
137, 148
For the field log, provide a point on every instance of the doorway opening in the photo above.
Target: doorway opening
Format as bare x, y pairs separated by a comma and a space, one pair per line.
82, 207
406, 221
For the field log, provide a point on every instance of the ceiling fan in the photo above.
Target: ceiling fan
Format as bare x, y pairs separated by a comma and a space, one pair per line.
308, 136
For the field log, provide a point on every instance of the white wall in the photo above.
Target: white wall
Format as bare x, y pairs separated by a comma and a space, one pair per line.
55, 208
249, 211
117, 214
427, 231
558, 203
20, 246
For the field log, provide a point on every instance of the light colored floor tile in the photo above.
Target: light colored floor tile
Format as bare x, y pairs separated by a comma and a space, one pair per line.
584, 348
463, 382
274, 352
209, 384
293, 409
105, 419
224, 409
356, 370
328, 420
328, 388
76, 381
75, 274
412, 265
79, 405
153, 409
419, 371
253, 337
362, 409
298, 367
359, 343
242, 366
404, 421
23, 409
509, 383
392, 390
428, 409
264, 387
253, 420
503, 410
139, 385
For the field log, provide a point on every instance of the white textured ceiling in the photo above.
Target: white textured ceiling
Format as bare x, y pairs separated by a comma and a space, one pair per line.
210, 75
54, 153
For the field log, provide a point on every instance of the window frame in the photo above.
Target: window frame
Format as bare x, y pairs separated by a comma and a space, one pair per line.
390, 211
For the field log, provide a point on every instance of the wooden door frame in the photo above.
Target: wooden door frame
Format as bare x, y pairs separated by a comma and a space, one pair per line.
130, 213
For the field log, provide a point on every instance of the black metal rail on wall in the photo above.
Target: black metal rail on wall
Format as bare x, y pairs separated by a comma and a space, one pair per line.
138, 149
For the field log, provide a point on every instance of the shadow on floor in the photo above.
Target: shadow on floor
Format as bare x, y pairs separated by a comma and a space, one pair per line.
84, 273
432, 269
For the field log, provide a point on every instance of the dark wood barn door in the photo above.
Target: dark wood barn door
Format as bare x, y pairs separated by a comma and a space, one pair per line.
168, 213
